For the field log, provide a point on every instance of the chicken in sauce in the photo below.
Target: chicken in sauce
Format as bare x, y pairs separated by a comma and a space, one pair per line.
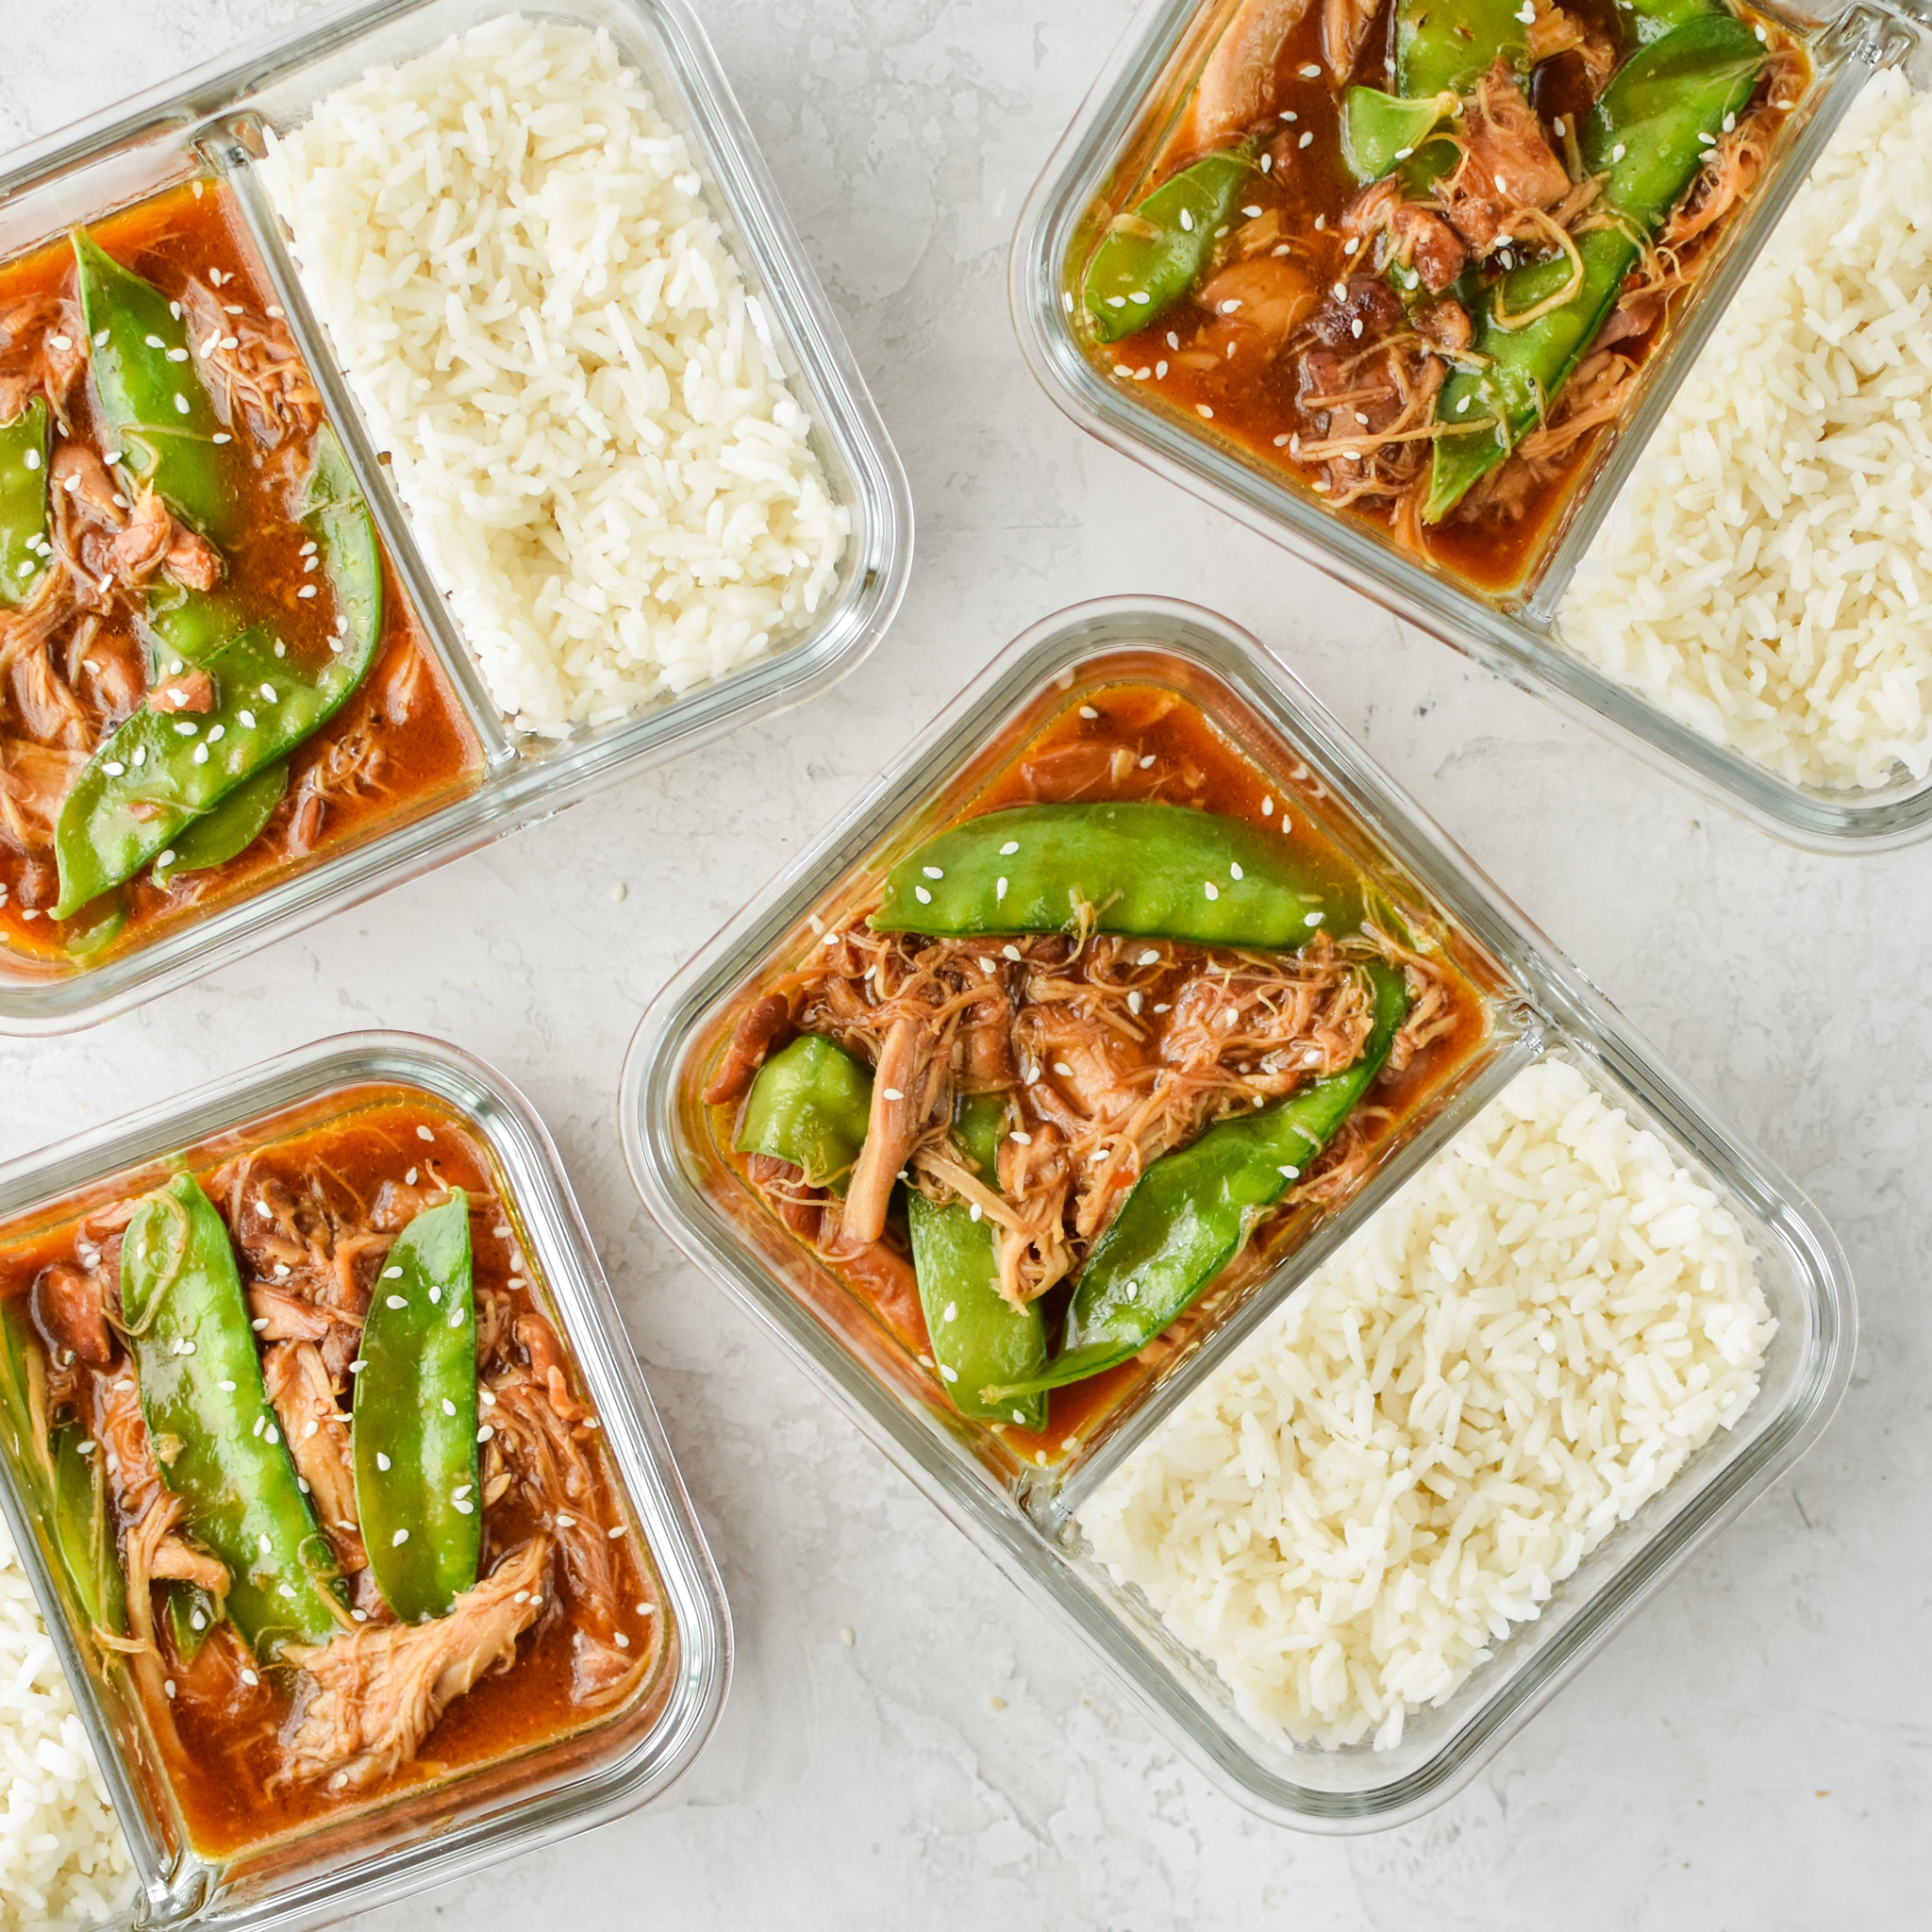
207, 674
1089, 1056
323, 1473
1417, 256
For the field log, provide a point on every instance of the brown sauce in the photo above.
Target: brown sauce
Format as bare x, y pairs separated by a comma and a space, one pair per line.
398, 746
1222, 380
223, 1740
1133, 742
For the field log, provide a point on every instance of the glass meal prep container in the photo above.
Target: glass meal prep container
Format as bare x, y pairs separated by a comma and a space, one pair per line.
203, 133
1016, 1492
1105, 161
302, 1850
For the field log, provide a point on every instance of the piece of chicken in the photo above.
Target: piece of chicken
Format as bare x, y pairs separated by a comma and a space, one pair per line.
379, 1689
1235, 84
317, 1433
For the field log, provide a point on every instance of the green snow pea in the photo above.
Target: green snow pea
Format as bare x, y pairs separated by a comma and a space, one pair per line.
415, 1418
979, 1336
1191, 1211
212, 1428
85, 1532
23, 503
1656, 18
1647, 136
234, 824
1158, 871
23, 1394
150, 398
193, 1614
1449, 44
1154, 255
810, 1105
159, 772
1379, 130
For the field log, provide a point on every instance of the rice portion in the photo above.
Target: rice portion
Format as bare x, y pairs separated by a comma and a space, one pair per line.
1766, 575
585, 411
1465, 1401
62, 1859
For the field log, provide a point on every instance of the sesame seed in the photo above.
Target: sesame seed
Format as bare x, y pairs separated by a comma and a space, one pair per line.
1011, 846
1186, 220
1202, 409
268, 691
410, 1178
566, 1523
424, 1134
114, 768
184, 729
397, 1301
249, 1678
401, 1537
1308, 70
449, 1407
892, 1093
169, 1687
1313, 919
1307, 141
1234, 872
180, 403
272, 1435
622, 1641
222, 436
227, 1388
1354, 329
924, 898
1212, 890
307, 590
381, 1460
153, 341
947, 1375
484, 1434
999, 891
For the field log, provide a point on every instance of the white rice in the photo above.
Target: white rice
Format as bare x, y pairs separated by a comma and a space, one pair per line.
1766, 576
62, 1859
585, 411
1448, 1417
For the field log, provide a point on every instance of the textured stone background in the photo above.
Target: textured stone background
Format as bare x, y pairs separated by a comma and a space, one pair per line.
1752, 1753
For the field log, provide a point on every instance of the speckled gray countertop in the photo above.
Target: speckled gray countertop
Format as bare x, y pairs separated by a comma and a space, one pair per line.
1752, 1753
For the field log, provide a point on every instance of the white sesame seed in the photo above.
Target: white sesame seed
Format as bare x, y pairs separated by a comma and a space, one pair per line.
1212, 890
424, 1134
999, 889
1203, 410
1313, 919
397, 1540
1307, 141
924, 898
381, 1460
397, 1301
566, 1523
114, 768
1308, 70
484, 1434
892, 1093
449, 1407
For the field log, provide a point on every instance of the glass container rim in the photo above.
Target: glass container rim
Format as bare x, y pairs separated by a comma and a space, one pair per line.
1865, 36
511, 789
186, 1892
1016, 1544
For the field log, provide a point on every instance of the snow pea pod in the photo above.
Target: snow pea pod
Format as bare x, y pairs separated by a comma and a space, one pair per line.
1155, 871
1646, 135
415, 1418
23, 1395
150, 397
810, 1105
160, 771
1379, 130
1452, 43
1155, 253
1191, 1211
85, 1533
24, 503
211, 1426
234, 824
979, 1336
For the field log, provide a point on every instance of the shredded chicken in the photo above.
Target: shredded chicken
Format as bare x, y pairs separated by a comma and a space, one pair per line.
1120, 1050
1505, 169
251, 369
43, 352
1235, 82
317, 1433
378, 1690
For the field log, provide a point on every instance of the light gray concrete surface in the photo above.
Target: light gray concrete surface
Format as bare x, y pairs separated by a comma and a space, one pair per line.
1750, 1755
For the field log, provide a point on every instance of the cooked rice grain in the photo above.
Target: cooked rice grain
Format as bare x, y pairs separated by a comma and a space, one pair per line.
1766, 576
62, 1859
1518, 1351
584, 409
